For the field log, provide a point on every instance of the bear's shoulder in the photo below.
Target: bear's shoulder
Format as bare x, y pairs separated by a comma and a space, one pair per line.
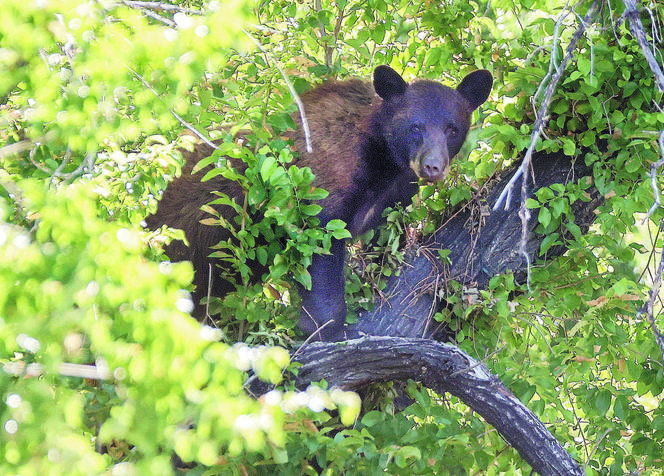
354, 92
337, 113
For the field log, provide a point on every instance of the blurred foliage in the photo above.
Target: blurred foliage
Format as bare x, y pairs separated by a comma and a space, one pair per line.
94, 97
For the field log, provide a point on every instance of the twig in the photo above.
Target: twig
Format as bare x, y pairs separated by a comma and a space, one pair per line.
145, 8
65, 160
648, 307
553, 63
653, 179
329, 50
594, 450
99, 371
524, 215
16, 148
158, 17
33, 161
542, 112
296, 97
166, 7
195, 131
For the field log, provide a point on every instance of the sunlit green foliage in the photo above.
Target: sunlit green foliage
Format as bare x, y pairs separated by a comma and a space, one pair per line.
94, 96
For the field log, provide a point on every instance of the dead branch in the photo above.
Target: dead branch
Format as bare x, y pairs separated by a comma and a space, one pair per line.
542, 117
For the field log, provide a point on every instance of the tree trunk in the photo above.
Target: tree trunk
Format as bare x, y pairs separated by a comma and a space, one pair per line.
482, 246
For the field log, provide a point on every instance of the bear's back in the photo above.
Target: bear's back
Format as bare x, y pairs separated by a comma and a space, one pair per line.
338, 117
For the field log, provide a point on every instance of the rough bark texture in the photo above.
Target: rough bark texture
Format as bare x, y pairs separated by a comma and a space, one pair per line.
442, 368
397, 345
481, 247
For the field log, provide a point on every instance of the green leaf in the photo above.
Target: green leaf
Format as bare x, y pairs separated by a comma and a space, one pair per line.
544, 194
311, 209
544, 217
531, 203
279, 267
603, 402
575, 230
548, 242
268, 168
558, 207
373, 418
569, 147
341, 234
528, 393
262, 255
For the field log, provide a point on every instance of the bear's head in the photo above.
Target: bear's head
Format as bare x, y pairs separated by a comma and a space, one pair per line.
424, 124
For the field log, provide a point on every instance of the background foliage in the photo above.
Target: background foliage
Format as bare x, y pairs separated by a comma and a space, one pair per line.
95, 96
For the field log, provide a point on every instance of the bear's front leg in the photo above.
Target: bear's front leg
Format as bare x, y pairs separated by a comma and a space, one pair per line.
324, 306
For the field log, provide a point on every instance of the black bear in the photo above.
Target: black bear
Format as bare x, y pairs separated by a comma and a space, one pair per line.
370, 145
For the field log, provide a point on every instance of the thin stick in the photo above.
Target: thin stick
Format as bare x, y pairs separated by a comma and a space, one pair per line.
175, 114
648, 307
636, 27
653, 180
542, 112
296, 97
161, 6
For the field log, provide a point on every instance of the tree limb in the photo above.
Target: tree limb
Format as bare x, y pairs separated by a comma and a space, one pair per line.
481, 247
442, 368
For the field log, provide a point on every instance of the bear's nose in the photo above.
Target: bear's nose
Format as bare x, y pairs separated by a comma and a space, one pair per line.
431, 172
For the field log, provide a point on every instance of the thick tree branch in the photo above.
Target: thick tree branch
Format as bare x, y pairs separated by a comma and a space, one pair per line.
442, 368
481, 247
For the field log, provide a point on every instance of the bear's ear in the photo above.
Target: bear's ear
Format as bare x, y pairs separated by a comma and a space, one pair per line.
476, 87
388, 83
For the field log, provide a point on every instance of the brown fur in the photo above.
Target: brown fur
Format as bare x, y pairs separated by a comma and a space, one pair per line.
369, 147
337, 114
180, 207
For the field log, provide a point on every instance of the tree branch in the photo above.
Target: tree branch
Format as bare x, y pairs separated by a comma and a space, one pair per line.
480, 247
443, 368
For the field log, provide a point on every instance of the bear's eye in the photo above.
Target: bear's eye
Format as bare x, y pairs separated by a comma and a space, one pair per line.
416, 130
452, 131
